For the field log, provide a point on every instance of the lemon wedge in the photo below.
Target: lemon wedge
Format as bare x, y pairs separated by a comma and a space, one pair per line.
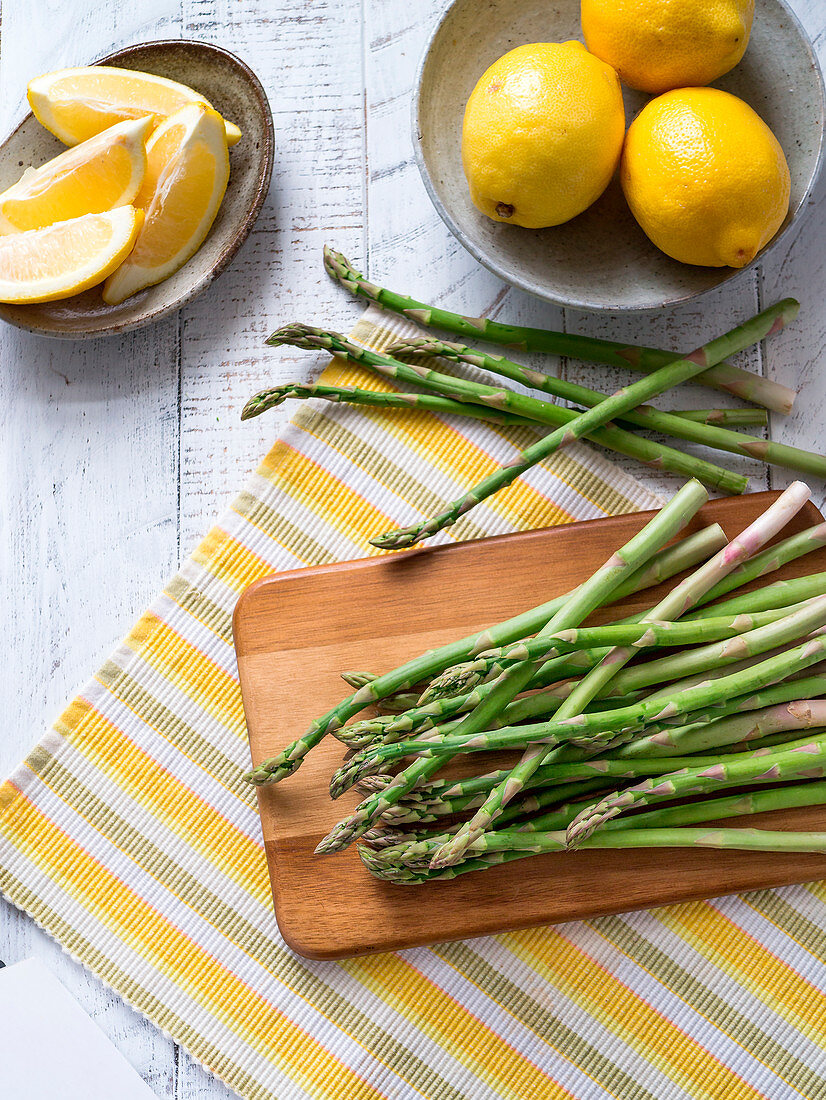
187, 169
76, 104
43, 265
99, 174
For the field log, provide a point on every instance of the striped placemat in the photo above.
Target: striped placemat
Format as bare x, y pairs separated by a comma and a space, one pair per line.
128, 834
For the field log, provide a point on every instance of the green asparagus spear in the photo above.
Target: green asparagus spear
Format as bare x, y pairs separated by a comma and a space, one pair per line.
650, 633
412, 849
666, 563
767, 561
809, 616
590, 595
679, 600
804, 761
357, 679
734, 729
644, 416
749, 840
780, 594
269, 399
744, 840
613, 767
729, 418
542, 412
592, 730
445, 692
692, 813
730, 379
769, 321
491, 849
443, 406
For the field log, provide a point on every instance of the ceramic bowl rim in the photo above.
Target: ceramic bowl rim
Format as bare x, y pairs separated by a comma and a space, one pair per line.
566, 301
240, 234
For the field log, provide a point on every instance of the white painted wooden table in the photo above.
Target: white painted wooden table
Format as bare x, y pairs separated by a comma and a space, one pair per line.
115, 455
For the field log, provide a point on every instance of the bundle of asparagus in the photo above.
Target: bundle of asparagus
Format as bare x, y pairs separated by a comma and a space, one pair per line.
609, 421
734, 696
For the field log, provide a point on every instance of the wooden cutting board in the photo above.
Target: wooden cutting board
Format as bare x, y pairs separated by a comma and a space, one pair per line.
295, 632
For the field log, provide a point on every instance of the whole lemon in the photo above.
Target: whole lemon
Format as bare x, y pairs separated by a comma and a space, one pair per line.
705, 177
656, 45
542, 134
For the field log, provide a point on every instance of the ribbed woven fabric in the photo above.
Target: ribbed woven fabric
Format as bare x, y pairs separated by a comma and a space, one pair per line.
128, 834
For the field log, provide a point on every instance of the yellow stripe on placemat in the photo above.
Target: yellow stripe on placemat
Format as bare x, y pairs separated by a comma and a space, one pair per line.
128, 834
617, 1007
193, 672
228, 559
789, 993
489, 1055
255, 1020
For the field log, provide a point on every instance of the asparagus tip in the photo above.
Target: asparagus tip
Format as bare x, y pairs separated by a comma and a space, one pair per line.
450, 853
338, 837
339, 267
343, 779
584, 825
305, 336
375, 865
398, 539
357, 679
260, 402
381, 837
271, 771
258, 777
331, 257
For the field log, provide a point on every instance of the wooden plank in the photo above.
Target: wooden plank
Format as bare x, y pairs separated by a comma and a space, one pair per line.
295, 632
796, 357
89, 440
309, 60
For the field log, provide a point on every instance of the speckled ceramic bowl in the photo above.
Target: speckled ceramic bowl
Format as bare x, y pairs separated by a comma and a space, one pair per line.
602, 259
235, 91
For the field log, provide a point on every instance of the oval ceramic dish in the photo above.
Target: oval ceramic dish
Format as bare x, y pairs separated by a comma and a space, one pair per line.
235, 91
602, 259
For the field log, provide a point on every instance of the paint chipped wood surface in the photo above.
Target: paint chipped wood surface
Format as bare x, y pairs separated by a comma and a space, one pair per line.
116, 455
